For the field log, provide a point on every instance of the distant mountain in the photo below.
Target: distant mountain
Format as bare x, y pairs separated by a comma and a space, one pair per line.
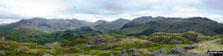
148, 24
49, 24
144, 25
111, 26
40, 30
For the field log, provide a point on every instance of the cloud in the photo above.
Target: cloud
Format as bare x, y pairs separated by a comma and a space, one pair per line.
214, 4
6, 21
32, 8
93, 10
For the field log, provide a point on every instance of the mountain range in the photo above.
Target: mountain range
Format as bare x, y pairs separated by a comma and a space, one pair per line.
144, 25
142, 36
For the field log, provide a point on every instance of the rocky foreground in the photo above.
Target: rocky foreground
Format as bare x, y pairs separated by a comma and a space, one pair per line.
157, 44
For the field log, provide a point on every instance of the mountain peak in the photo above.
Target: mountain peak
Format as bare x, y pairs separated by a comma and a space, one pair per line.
143, 18
200, 18
121, 19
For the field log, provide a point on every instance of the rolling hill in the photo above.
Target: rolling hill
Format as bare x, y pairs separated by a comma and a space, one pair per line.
172, 25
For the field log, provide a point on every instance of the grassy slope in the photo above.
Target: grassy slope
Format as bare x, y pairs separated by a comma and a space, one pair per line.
212, 45
80, 47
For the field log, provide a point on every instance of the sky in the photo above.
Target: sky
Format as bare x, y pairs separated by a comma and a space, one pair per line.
93, 10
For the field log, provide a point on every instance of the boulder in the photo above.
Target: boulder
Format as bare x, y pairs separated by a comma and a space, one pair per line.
159, 53
190, 46
175, 41
121, 53
2, 52
96, 41
192, 36
179, 38
178, 50
136, 54
147, 53
157, 39
131, 52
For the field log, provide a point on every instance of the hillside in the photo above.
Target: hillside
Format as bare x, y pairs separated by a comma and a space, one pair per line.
112, 27
172, 25
109, 45
144, 25
51, 24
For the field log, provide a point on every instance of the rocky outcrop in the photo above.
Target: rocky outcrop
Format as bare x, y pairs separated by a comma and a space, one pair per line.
160, 53
175, 41
96, 41
130, 52
158, 39
192, 36
2, 52
190, 46
178, 50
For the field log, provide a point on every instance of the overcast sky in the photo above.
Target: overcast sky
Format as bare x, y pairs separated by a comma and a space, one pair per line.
92, 10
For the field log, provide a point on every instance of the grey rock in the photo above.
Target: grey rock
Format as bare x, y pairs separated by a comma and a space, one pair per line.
2, 52
155, 39
190, 46
136, 54
118, 39
192, 36
148, 53
159, 52
178, 50
96, 41
121, 53
132, 52
175, 41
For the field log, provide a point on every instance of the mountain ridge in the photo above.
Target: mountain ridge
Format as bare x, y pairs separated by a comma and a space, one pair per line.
173, 25
138, 25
